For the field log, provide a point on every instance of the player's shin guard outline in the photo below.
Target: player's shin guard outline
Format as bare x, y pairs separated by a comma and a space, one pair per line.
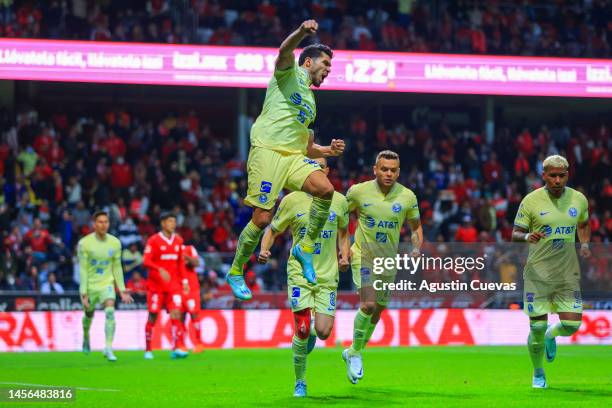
109, 325
535, 343
247, 242
299, 347
319, 211
360, 326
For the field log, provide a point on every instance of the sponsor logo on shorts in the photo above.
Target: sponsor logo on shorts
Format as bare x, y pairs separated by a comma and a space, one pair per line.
396, 208
312, 162
266, 187
332, 299
530, 308
294, 303
295, 292
530, 296
263, 198
381, 237
572, 212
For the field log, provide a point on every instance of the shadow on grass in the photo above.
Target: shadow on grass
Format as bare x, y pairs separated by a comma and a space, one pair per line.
586, 393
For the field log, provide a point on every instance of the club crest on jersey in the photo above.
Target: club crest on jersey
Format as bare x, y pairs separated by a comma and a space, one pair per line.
572, 212
263, 198
332, 216
266, 187
396, 208
295, 292
110, 252
296, 98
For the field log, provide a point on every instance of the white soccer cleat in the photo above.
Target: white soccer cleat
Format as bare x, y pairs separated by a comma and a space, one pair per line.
108, 353
148, 355
539, 381
349, 360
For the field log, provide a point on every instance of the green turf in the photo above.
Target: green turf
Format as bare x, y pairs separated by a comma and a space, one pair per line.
415, 377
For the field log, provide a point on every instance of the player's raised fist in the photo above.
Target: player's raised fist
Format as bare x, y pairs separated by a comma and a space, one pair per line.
309, 27
263, 257
337, 147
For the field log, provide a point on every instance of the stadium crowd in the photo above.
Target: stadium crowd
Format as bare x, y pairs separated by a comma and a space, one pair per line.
543, 28
55, 171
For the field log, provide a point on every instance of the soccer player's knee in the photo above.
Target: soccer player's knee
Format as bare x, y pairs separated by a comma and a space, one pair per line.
326, 191
302, 323
324, 333
368, 307
262, 219
570, 326
89, 313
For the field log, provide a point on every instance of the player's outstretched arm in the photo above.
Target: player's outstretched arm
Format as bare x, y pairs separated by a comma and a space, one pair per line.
267, 240
285, 53
315, 151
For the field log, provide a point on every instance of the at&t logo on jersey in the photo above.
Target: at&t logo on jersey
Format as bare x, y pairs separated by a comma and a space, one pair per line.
572, 212
296, 98
396, 208
546, 230
370, 222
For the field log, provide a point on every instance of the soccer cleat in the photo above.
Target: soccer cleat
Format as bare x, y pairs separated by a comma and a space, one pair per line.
239, 287
179, 353
550, 348
108, 353
198, 348
86, 348
539, 381
305, 259
148, 355
349, 373
300, 389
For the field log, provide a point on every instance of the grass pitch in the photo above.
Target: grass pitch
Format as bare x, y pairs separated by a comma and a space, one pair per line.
417, 377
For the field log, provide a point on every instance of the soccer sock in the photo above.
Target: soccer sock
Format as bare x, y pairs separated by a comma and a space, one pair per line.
360, 328
148, 334
109, 326
247, 242
535, 344
563, 328
86, 325
319, 211
178, 333
369, 332
299, 347
197, 330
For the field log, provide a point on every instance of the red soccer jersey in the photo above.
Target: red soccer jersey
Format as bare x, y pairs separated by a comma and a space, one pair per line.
167, 253
190, 272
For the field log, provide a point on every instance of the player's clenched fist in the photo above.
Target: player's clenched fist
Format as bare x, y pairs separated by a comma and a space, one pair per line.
309, 27
337, 147
534, 237
263, 257
343, 263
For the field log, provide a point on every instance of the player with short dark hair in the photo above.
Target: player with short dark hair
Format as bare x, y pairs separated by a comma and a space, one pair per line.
282, 153
163, 256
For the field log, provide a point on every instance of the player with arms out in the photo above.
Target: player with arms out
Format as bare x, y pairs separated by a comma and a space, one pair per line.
163, 257
100, 270
305, 297
282, 149
383, 205
548, 219
191, 298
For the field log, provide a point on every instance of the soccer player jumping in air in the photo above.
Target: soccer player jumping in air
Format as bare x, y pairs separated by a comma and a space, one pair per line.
548, 219
305, 297
282, 149
100, 270
383, 206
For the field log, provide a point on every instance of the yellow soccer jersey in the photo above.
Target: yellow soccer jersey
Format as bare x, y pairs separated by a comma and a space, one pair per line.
99, 263
288, 109
554, 256
294, 212
380, 216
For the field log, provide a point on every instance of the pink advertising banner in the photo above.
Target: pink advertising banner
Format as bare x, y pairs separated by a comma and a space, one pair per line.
162, 64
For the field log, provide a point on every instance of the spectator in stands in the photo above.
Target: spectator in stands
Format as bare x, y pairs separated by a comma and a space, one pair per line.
39, 239
137, 284
132, 260
51, 286
467, 232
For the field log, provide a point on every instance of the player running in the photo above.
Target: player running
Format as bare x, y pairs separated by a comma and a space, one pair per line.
282, 149
305, 297
191, 298
383, 205
100, 270
548, 219
163, 256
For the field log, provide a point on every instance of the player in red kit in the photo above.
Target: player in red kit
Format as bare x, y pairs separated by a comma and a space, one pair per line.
191, 299
163, 257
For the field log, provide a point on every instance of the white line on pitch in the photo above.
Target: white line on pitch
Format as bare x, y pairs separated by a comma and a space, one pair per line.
59, 386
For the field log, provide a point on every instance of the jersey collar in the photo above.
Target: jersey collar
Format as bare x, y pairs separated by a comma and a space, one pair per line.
166, 240
381, 192
306, 76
